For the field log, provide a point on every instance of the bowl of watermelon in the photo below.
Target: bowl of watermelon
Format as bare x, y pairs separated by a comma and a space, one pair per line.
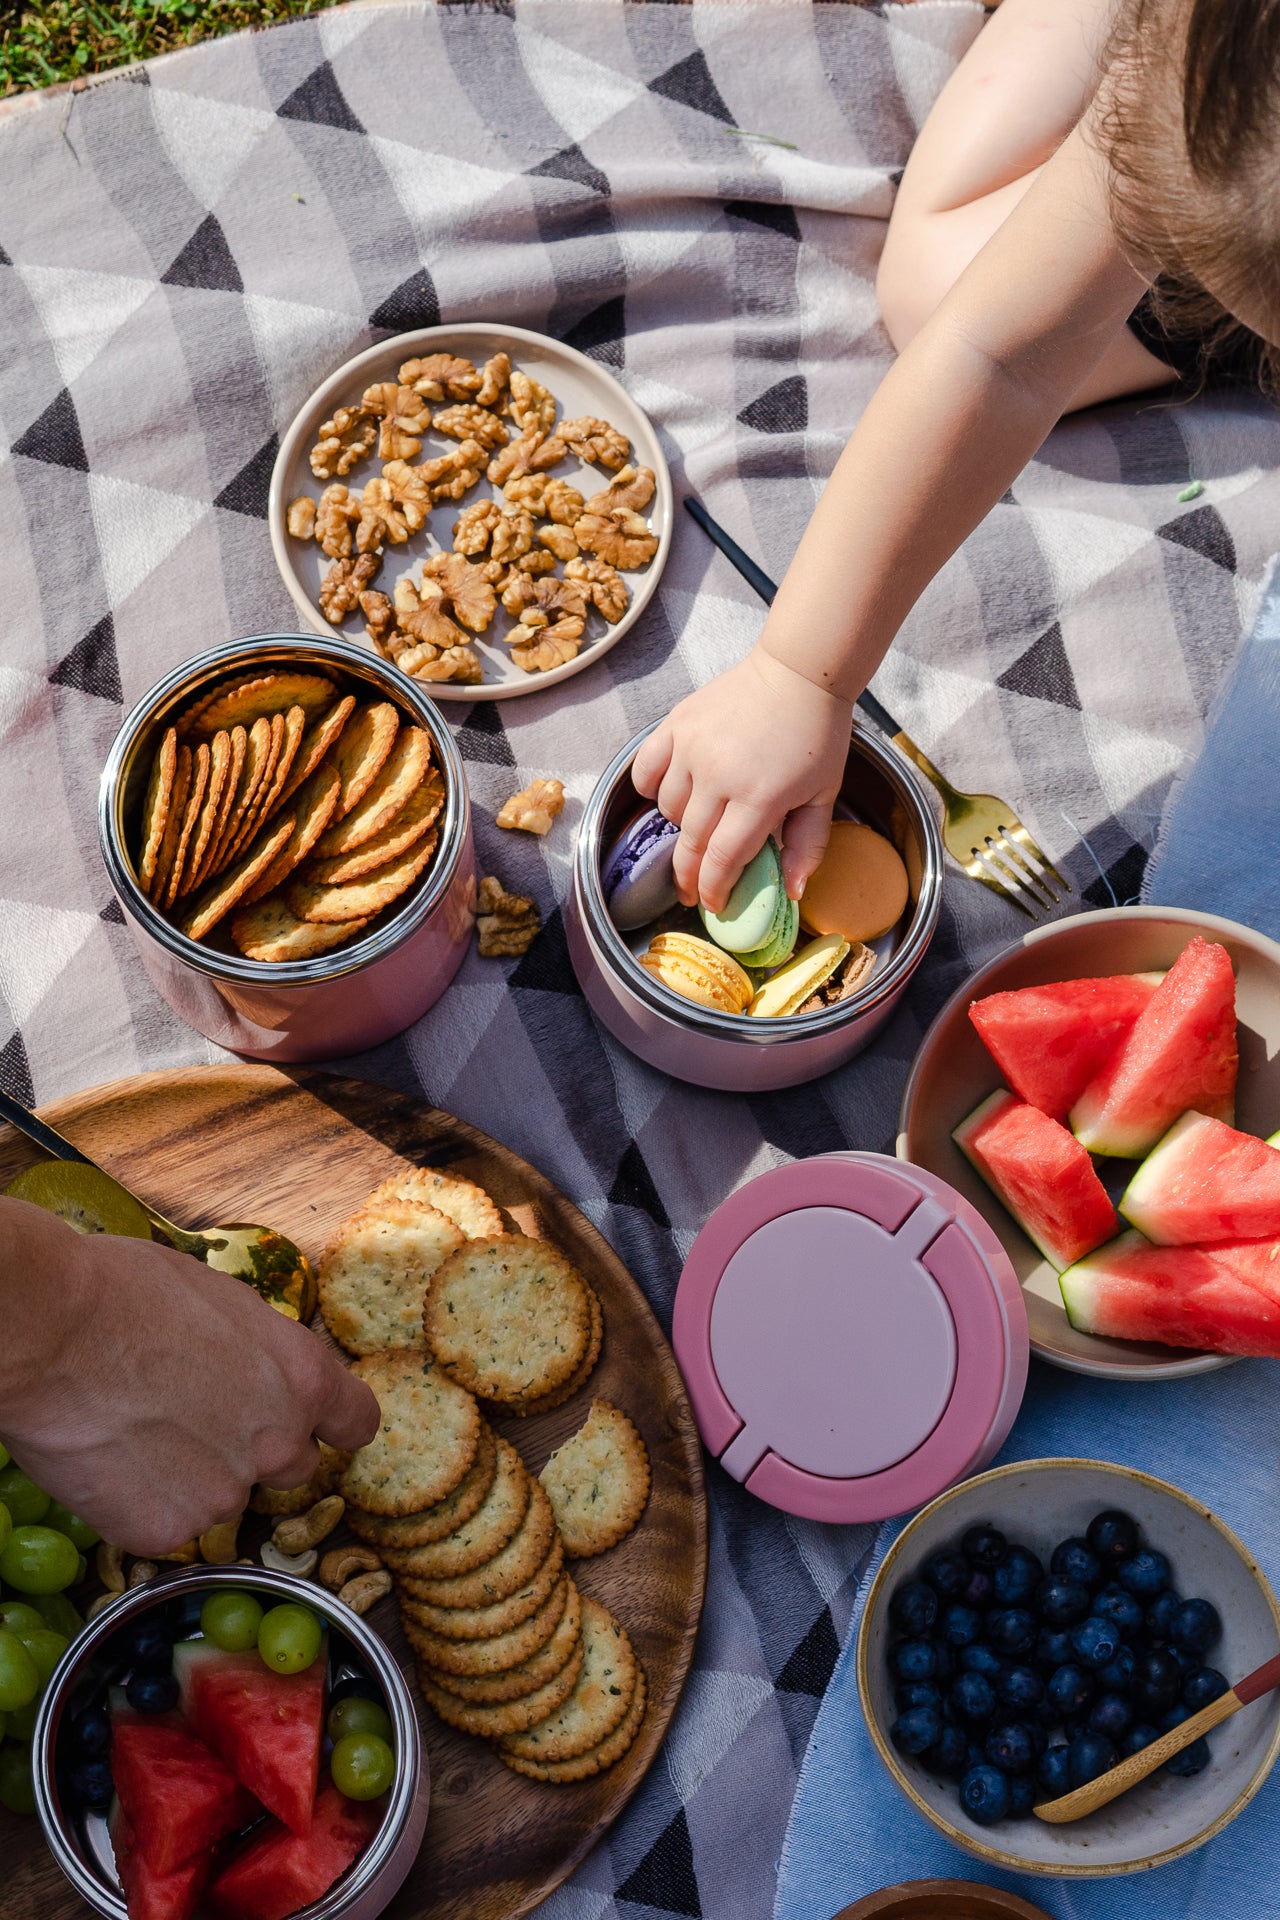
1107, 1094
229, 1743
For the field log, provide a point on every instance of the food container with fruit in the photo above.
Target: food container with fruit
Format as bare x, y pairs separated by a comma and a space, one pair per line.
286, 825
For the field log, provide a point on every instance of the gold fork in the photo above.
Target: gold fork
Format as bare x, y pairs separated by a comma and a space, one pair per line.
981, 832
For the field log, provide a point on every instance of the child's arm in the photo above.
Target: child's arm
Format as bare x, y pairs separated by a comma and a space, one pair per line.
952, 424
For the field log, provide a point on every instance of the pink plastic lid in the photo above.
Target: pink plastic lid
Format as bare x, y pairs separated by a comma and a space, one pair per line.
852, 1336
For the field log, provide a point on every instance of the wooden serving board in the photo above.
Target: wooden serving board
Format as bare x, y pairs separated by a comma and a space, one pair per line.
300, 1150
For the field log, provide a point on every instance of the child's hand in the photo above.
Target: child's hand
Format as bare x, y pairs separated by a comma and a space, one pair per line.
760, 750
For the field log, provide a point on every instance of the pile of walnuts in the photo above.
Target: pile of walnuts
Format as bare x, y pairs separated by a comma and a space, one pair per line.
507, 548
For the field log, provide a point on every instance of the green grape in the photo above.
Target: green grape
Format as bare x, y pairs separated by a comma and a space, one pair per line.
20, 1617
362, 1766
360, 1716
4, 1456
77, 1530
231, 1621
19, 1675
289, 1638
57, 1612
82, 1568
17, 1791
22, 1721
6, 1527
46, 1648
38, 1560
26, 1503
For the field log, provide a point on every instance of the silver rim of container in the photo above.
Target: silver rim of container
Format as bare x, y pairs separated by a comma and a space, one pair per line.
613, 952
402, 1796
264, 650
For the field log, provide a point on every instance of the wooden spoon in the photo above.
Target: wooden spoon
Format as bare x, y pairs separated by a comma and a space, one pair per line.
1108, 1786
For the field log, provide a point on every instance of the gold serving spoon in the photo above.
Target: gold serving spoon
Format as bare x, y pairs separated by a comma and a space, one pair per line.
264, 1259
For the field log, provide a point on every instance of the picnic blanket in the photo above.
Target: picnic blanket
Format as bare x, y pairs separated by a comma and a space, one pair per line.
696, 196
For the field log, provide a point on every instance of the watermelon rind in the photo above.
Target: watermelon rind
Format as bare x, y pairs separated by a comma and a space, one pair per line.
1141, 1201
1065, 1211
1220, 1299
1205, 1184
1082, 1283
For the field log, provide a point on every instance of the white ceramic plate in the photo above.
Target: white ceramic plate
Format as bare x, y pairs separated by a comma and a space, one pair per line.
579, 385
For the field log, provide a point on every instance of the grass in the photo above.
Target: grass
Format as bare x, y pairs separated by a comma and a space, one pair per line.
68, 39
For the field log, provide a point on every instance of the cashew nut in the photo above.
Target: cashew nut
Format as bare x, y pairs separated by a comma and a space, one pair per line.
304, 1530
186, 1555
301, 1565
343, 1563
218, 1544
359, 1594
141, 1571
109, 1562
99, 1602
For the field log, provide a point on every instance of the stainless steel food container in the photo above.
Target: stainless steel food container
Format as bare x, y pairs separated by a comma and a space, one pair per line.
79, 1841
339, 1002
732, 1051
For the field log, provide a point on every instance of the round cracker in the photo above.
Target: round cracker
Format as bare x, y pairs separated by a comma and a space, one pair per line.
564, 1773
501, 1652
373, 1274
210, 812
314, 805
360, 899
172, 826
362, 747
509, 1317
497, 1578
267, 930
253, 813
495, 1521
286, 1500
544, 1403
485, 1689
597, 1482
438, 1522
466, 1204
427, 1439
190, 815
155, 807
231, 786
241, 701
253, 771
419, 813
401, 774
316, 742
505, 1716
483, 1623
600, 1698
222, 894
293, 726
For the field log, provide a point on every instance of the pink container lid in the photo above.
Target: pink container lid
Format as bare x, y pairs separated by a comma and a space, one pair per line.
852, 1335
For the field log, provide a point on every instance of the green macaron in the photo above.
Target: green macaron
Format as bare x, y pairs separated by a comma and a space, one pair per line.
759, 924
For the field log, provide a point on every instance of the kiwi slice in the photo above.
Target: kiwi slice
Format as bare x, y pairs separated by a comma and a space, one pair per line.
85, 1197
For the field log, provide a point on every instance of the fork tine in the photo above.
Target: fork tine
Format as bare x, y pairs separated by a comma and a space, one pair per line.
1016, 831
1024, 881
1010, 852
977, 870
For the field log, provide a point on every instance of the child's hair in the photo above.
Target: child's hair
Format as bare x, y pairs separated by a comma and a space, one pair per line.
1190, 122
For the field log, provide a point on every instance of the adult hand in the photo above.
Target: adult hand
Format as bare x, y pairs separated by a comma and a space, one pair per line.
147, 1392
759, 750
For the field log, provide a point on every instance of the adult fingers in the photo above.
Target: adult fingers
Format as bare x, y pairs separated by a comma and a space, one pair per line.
700, 820
350, 1416
288, 1465
738, 837
804, 842
650, 764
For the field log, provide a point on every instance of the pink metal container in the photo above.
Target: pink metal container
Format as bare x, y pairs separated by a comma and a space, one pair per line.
852, 1335
340, 1002
732, 1051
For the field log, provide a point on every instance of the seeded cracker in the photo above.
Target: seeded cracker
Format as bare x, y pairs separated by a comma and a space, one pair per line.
510, 1318
598, 1702
400, 774
414, 820
316, 742
241, 702
314, 805
498, 1578
221, 894
486, 1532
564, 1773
501, 1652
598, 1482
502, 1717
466, 1204
437, 1522
484, 1689
361, 750
155, 808
360, 899
483, 1623
427, 1440
543, 1403
269, 931
374, 1273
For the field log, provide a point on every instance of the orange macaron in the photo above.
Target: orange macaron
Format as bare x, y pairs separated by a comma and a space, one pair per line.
860, 889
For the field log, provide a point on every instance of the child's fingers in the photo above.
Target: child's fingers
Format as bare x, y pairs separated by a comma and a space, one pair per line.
805, 835
652, 761
674, 791
737, 838
701, 817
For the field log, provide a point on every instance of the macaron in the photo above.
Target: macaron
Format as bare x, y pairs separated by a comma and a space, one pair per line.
759, 923
802, 976
860, 889
697, 971
636, 879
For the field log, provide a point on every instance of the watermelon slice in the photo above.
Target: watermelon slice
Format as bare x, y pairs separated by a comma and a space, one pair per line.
150, 1895
276, 1872
1043, 1176
266, 1726
1180, 1055
1205, 1183
1050, 1041
177, 1797
1210, 1297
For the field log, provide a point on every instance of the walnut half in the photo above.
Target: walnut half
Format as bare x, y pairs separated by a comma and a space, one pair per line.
342, 586
506, 923
344, 439
534, 808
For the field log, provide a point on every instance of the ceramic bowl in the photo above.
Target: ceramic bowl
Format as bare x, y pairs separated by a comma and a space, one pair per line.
941, 1900
1038, 1503
953, 1072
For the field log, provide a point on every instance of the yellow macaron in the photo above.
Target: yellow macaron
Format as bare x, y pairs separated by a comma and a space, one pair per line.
698, 971
803, 974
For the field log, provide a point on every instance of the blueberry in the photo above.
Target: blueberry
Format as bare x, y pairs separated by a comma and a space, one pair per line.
152, 1692
917, 1693
1022, 1796
1096, 1642
1076, 1561
914, 1608
1175, 1717
916, 1730
984, 1795
1046, 1715
1160, 1614
1157, 1682
1202, 1685
972, 1698
1110, 1715
946, 1572
984, 1546
1011, 1630
88, 1784
1020, 1687
1053, 1771
1118, 1676
979, 1589
961, 1626
1012, 1748
1192, 1760
1138, 1737
1089, 1755
1113, 1536
984, 1660
949, 1754
1197, 1626
1053, 1648
1016, 1578
147, 1644
1146, 1575
909, 1660
1113, 1603
90, 1734
943, 1661
1061, 1603
358, 1686
1070, 1690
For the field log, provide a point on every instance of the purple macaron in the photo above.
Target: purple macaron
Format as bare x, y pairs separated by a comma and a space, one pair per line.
636, 878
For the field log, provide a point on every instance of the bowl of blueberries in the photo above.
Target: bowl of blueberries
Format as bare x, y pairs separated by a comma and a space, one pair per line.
1036, 1624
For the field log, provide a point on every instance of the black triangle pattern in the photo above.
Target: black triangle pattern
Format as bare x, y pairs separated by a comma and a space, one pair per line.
92, 665
1043, 672
602, 333
1204, 532
112, 913
321, 102
206, 262
246, 492
665, 1878
633, 1186
810, 1665
781, 408
571, 163
55, 437
763, 213
1124, 878
689, 84
546, 968
5, 261
15, 1071
414, 303
484, 738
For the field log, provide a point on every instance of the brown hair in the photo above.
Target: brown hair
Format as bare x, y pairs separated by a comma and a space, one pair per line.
1189, 115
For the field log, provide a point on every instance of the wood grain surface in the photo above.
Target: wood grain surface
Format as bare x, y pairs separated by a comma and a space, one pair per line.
300, 1150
